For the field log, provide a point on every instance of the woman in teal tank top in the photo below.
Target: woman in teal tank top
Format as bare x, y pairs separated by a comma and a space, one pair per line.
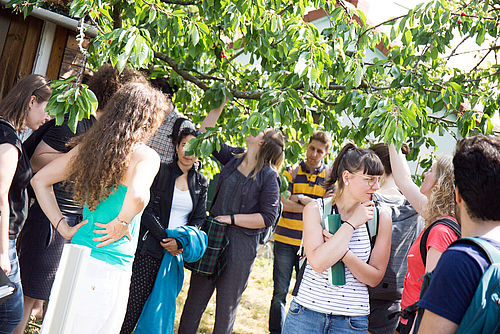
110, 172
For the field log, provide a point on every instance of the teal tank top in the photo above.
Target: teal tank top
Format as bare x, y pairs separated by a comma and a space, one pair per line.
121, 252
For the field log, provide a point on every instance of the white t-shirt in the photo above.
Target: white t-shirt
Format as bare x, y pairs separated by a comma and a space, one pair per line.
182, 205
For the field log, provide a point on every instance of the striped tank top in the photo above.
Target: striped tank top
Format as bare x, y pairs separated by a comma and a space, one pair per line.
351, 299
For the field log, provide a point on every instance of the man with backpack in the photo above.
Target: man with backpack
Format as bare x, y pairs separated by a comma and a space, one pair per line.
305, 181
463, 293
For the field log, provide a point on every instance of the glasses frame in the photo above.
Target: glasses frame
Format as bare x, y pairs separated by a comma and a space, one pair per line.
369, 179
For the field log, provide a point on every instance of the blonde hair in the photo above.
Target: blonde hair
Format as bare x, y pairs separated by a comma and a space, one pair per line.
441, 201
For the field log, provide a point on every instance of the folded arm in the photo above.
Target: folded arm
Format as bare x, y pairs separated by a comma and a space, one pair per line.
56, 171
371, 273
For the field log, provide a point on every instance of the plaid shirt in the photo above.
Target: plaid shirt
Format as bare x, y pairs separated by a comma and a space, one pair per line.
213, 261
161, 141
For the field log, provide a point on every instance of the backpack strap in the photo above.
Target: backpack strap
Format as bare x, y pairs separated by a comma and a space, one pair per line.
491, 251
326, 203
453, 225
372, 227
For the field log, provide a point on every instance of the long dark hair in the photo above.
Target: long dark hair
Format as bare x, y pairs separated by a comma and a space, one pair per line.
352, 159
14, 107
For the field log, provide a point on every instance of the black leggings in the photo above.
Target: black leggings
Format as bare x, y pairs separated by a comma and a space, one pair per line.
144, 271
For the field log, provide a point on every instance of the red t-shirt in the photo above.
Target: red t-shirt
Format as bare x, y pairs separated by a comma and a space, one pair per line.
440, 237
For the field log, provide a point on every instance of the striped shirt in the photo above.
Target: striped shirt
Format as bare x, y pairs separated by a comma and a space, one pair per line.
289, 229
351, 299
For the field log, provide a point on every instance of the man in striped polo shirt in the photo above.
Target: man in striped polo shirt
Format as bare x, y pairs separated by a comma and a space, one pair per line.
305, 184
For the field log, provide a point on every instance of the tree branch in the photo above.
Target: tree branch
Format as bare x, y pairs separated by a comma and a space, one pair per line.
455, 49
180, 2
228, 60
117, 15
322, 100
184, 74
381, 24
442, 119
492, 48
482, 59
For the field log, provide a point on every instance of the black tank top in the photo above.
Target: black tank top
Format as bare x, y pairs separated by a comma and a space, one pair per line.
18, 199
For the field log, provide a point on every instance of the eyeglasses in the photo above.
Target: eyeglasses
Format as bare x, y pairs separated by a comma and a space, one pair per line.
371, 180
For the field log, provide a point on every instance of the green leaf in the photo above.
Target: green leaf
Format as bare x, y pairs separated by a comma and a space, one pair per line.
358, 75
203, 27
195, 35
301, 65
178, 13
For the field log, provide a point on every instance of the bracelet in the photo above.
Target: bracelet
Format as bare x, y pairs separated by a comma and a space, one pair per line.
351, 225
122, 222
57, 225
348, 249
232, 220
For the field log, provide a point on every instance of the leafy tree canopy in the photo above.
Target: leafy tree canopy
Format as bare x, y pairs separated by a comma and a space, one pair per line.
298, 78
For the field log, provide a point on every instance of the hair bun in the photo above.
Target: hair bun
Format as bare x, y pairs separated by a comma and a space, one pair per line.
405, 149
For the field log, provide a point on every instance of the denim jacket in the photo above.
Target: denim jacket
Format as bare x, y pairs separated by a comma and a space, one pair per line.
259, 195
157, 213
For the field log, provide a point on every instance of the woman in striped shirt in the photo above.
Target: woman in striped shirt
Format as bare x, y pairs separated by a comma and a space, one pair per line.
319, 306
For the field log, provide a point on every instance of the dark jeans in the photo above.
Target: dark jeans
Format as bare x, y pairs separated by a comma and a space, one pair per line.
11, 310
285, 259
231, 283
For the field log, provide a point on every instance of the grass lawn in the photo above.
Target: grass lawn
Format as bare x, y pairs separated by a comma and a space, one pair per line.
253, 313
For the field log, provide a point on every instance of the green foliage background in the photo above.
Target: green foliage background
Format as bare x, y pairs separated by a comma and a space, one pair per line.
300, 79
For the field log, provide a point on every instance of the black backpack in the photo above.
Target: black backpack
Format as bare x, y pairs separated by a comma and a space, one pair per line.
413, 313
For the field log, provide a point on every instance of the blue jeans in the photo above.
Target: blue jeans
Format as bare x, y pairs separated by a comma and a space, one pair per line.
285, 259
301, 320
11, 310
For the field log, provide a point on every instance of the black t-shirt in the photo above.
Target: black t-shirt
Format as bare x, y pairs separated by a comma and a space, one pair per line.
57, 137
18, 199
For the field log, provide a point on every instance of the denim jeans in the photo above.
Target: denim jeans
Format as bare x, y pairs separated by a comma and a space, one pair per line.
11, 310
301, 320
285, 259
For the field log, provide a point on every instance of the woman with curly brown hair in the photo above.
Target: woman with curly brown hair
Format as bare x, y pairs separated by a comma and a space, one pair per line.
39, 245
112, 171
24, 105
435, 202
